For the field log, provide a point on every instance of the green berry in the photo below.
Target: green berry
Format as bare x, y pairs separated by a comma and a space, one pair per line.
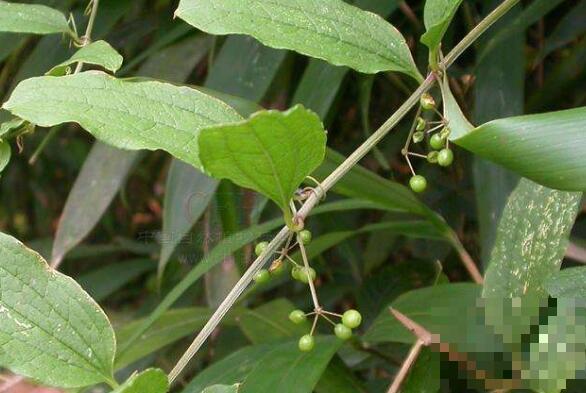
418, 136
260, 248
418, 183
432, 157
342, 331
262, 276
436, 142
305, 236
427, 102
445, 157
296, 273
303, 276
297, 317
306, 343
421, 123
352, 319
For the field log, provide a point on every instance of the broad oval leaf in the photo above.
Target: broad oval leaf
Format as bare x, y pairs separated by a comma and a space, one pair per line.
531, 240
31, 18
547, 148
327, 29
129, 115
272, 152
98, 53
152, 380
437, 17
570, 283
50, 329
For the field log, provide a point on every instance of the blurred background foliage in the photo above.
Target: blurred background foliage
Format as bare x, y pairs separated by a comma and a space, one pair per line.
532, 61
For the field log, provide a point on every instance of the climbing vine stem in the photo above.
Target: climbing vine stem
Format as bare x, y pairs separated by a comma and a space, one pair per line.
331, 180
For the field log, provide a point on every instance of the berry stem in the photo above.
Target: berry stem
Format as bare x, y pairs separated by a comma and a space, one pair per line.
315, 318
332, 313
412, 131
324, 316
410, 166
310, 281
417, 155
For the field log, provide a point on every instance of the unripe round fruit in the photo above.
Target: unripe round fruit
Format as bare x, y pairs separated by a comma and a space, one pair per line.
342, 331
262, 276
418, 183
306, 343
296, 272
421, 123
305, 236
436, 142
352, 319
303, 275
445, 157
427, 102
297, 317
260, 248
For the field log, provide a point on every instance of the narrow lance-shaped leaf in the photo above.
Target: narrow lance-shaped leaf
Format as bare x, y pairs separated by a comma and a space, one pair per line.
50, 329
327, 29
31, 18
272, 152
128, 115
531, 240
149, 381
547, 148
437, 17
98, 53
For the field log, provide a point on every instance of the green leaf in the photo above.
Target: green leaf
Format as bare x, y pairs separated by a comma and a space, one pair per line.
222, 389
188, 193
272, 152
570, 283
531, 241
551, 145
128, 115
31, 18
91, 194
104, 281
425, 375
169, 327
149, 381
431, 307
438, 15
270, 322
268, 368
50, 329
98, 53
329, 29
5, 153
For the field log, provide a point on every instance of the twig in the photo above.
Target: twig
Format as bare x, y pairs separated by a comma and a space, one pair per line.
87, 37
424, 338
330, 181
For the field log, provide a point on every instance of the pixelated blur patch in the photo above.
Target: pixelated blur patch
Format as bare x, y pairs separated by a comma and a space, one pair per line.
525, 342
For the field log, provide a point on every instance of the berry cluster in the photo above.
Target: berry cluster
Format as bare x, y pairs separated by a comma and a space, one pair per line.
351, 319
438, 132
304, 273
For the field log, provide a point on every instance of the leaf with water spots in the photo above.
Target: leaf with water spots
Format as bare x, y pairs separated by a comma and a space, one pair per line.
51, 330
531, 241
